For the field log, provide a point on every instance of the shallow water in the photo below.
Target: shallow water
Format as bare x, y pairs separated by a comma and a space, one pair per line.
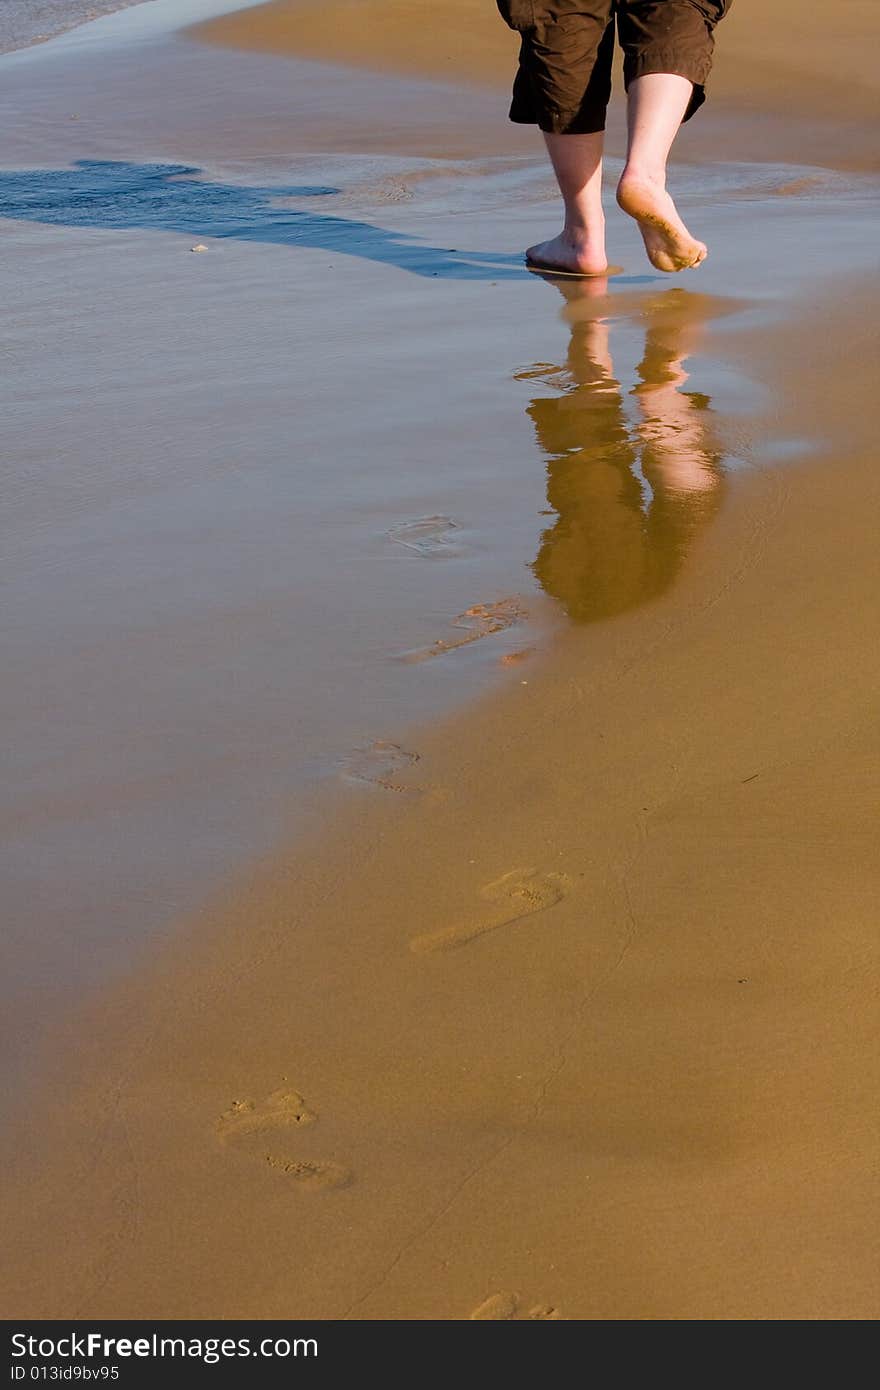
24, 22
246, 486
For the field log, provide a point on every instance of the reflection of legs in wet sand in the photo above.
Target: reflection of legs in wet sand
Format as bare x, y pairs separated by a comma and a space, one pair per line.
592, 558
673, 424
629, 497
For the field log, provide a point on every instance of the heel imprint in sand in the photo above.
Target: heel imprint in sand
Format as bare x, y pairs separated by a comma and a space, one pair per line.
482, 620
521, 893
281, 1112
504, 1307
309, 1174
429, 536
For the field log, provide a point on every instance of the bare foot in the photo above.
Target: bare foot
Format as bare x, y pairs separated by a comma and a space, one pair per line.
668, 242
570, 253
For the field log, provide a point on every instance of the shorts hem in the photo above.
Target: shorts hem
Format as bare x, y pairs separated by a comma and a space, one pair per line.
562, 122
659, 61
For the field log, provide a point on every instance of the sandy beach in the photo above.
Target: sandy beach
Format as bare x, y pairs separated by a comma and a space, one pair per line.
442, 877
781, 90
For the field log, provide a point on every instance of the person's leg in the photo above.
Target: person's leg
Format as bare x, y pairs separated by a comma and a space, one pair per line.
580, 246
656, 106
563, 84
667, 56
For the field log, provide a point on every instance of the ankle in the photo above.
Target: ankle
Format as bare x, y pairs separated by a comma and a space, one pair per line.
578, 233
653, 174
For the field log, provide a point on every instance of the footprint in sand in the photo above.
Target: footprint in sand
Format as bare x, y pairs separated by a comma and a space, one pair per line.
516, 658
499, 1308
308, 1174
381, 763
517, 894
284, 1110
483, 620
427, 535
504, 1307
545, 1312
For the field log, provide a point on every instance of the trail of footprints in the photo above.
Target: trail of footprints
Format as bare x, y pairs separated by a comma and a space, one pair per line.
262, 1126
433, 537
259, 1124
283, 1111
515, 895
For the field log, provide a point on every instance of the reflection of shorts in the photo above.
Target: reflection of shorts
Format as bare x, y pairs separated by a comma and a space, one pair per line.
564, 78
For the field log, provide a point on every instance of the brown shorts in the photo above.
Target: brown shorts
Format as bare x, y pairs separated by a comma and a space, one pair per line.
564, 79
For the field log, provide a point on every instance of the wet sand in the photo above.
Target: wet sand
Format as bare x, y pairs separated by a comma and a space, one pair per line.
784, 87
563, 1007
580, 1013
